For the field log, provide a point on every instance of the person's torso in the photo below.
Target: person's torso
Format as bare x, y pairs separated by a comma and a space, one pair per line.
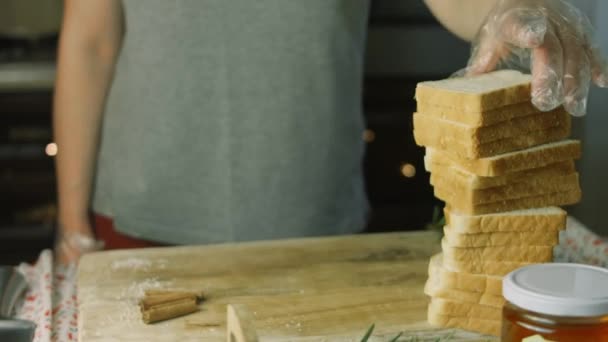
235, 120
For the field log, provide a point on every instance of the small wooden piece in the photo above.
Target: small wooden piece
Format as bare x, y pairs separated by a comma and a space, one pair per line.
240, 324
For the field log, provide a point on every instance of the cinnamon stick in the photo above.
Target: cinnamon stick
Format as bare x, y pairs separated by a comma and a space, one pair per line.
164, 298
156, 292
160, 305
169, 310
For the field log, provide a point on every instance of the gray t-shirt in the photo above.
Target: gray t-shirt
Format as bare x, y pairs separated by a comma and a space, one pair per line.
233, 120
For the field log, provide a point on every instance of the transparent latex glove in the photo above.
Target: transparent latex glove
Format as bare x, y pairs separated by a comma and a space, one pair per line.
550, 38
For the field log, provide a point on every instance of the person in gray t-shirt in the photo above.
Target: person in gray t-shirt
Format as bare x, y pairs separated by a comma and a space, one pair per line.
206, 121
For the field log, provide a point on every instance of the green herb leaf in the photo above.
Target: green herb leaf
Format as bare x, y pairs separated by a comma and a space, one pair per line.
396, 337
435, 214
437, 222
368, 334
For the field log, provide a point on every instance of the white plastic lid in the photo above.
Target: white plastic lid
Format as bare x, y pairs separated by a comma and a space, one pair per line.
567, 290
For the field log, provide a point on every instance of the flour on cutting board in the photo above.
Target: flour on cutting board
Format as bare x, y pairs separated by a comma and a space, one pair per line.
138, 264
128, 313
137, 289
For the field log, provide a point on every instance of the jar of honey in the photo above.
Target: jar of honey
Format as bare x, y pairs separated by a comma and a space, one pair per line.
556, 302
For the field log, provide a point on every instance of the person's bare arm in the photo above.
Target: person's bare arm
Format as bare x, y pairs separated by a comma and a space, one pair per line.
461, 17
89, 43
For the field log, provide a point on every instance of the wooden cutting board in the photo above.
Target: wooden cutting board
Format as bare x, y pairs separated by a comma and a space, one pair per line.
319, 289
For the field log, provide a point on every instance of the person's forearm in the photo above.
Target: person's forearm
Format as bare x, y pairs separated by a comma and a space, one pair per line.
461, 17
84, 73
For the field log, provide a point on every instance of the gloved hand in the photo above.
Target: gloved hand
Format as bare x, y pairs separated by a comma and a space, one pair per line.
553, 40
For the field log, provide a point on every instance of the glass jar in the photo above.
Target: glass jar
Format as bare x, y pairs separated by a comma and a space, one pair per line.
556, 302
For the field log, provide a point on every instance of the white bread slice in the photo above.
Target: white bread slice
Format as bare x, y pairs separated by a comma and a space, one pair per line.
487, 267
552, 199
455, 308
451, 191
434, 288
477, 118
454, 130
462, 281
494, 239
476, 93
474, 150
480, 325
525, 253
549, 219
464, 178
531, 158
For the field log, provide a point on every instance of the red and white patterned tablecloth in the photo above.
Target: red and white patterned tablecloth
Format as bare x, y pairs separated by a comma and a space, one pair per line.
50, 301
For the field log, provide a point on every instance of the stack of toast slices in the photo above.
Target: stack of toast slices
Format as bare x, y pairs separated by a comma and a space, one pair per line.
503, 168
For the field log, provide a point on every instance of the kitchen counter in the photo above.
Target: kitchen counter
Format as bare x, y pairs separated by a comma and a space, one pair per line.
317, 289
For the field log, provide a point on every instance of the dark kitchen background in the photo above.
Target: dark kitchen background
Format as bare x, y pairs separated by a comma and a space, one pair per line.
405, 45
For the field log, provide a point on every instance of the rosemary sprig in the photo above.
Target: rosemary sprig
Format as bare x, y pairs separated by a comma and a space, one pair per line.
396, 337
368, 334
370, 330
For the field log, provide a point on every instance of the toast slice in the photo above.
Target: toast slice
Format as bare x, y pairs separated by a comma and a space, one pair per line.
476, 93
462, 281
480, 325
487, 267
476, 150
433, 288
454, 130
531, 158
563, 198
478, 118
496, 239
462, 178
525, 253
455, 308
550, 220
451, 191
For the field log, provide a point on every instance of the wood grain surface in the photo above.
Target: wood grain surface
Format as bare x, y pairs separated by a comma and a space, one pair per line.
317, 289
